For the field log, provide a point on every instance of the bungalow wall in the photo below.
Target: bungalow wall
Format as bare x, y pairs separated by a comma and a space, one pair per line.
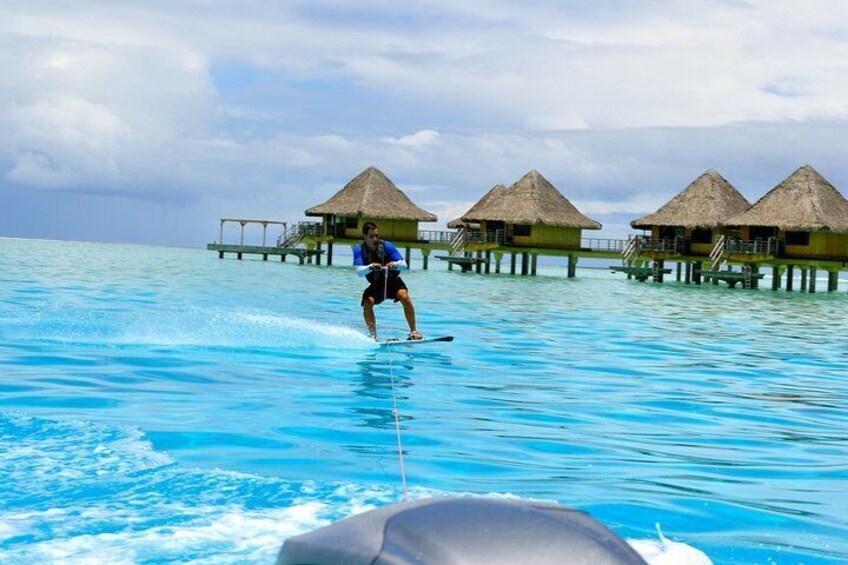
401, 230
821, 244
552, 237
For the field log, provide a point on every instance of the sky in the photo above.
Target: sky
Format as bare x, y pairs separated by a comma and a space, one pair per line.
145, 122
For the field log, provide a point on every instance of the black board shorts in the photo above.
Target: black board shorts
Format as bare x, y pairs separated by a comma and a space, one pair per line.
375, 290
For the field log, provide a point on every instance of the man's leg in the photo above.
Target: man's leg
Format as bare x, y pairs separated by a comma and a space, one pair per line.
408, 308
368, 313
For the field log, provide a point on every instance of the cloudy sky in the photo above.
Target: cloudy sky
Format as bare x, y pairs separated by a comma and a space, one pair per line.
147, 121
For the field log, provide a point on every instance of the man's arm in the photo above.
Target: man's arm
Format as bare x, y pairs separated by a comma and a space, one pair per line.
361, 269
396, 260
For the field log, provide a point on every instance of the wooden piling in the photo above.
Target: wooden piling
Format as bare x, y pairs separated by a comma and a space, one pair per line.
525, 259
832, 281
812, 280
775, 277
425, 256
220, 255
803, 279
318, 257
679, 273
478, 267
512, 264
697, 266
572, 266
790, 276
488, 261
329, 253
688, 275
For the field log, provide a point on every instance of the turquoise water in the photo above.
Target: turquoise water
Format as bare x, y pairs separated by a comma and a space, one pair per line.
161, 405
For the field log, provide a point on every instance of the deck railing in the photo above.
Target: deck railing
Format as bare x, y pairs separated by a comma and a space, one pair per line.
660, 245
612, 245
437, 236
494, 236
771, 246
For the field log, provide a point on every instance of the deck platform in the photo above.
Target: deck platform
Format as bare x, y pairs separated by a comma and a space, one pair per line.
641, 274
282, 252
465, 263
732, 278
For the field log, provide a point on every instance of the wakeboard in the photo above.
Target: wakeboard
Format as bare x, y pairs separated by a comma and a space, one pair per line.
398, 342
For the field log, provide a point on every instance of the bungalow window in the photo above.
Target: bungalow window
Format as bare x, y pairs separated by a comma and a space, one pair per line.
521, 230
351, 222
798, 238
702, 236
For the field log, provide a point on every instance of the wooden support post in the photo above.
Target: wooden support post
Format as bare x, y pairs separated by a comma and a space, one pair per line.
512, 264
790, 275
696, 272
498, 257
659, 264
572, 266
264, 233
300, 256
318, 257
533, 260
408, 256
283, 258
425, 256
775, 277
242, 234
488, 261
221, 235
812, 280
220, 255
478, 267
264, 256
524, 266
688, 277
238, 255
755, 280
679, 273
832, 281
803, 279
450, 266
329, 253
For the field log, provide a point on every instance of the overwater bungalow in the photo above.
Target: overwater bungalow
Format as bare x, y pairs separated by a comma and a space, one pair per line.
370, 196
690, 223
531, 213
803, 217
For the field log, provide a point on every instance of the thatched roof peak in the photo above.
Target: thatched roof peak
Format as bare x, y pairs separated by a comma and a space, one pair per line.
371, 193
486, 205
804, 201
531, 200
705, 203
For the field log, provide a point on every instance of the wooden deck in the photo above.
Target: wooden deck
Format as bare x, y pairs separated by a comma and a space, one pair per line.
239, 250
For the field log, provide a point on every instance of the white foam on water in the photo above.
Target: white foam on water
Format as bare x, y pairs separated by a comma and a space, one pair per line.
78, 492
242, 328
663, 551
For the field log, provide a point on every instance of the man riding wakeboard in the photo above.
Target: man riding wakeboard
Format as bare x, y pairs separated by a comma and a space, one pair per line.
380, 262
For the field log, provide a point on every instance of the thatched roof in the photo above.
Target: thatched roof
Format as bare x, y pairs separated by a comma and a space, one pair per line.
532, 200
705, 203
805, 201
458, 223
373, 195
490, 201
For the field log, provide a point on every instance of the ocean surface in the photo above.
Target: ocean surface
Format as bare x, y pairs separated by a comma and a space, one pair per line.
160, 405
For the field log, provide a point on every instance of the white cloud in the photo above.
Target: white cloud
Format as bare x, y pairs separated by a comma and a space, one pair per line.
422, 138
